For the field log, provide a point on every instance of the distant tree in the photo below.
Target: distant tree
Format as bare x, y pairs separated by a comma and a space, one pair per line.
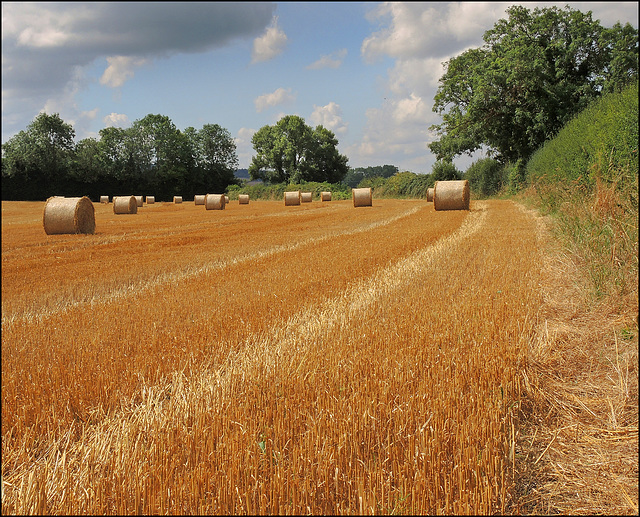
214, 157
292, 152
535, 71
39, 158
162, 155
444, 170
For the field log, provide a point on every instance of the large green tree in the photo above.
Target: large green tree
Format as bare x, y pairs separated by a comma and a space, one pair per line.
290, 152
536, 70
39, 157
215, 158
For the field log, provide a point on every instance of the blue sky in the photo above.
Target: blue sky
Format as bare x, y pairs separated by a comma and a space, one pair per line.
368, 71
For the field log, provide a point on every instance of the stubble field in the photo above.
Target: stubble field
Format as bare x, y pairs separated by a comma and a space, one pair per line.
266, 359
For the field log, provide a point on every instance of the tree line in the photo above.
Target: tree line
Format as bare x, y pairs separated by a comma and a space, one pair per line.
152, 156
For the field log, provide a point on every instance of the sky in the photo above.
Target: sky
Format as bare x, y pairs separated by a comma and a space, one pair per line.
367, 71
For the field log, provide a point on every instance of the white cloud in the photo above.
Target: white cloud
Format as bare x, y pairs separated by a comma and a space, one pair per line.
244, 147
329, 116
270, 44
333, 60
116, 120
120, 70
268, 100
45, 43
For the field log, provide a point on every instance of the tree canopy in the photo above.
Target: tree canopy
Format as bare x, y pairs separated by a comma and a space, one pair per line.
536, 70
290, 152
151, 156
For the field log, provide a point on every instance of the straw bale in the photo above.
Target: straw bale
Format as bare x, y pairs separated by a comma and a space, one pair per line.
292, 198
306, 197
362, 196
215, 201
430, 194
68, 215
243, 199
226, 199
125, 205
199, 199
325, 196
177, 199
104, 199
451, 195
151, 200
139, 200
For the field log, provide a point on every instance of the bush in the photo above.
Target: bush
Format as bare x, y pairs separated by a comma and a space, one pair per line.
486, 177
605, 133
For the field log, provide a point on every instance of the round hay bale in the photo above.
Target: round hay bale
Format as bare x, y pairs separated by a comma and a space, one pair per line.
451, 195
292, 198
125, 205
214, 201
177, 199
199, 199
362, 196
151, 200
430, 194
139, 200
104, 199
243, 199
306, 197
226, 199
68, 215
325, 196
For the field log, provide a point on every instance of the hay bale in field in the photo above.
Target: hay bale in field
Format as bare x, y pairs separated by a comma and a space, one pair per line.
451, 195
325, 196
362, 196
68, 215
215, 201
226, 199
430, 194
104, 199
177, 199
306, 197
139, 200
243, 199
151, 200
199, 199
292, 198
125, 205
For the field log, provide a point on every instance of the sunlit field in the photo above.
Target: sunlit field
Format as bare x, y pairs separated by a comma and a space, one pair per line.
318, 358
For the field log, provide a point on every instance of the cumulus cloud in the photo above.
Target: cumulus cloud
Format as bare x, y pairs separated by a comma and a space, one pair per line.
270, 44
44, 44
333, 60
268, 100
244, 147
116, 120
329, 116
120, 69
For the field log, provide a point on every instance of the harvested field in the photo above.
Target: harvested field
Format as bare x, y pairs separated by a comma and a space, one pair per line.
266, 360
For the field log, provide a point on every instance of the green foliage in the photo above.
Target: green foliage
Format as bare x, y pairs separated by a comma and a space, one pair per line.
356, 175
150, 156
401, 185
587, 179
603, 137
444, 170
486, 177
536, 70
291, 151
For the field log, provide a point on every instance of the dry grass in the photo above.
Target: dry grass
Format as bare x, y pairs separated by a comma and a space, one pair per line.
346, 377
581, 420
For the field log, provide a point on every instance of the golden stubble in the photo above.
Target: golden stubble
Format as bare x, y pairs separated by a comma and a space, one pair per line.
373, 369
